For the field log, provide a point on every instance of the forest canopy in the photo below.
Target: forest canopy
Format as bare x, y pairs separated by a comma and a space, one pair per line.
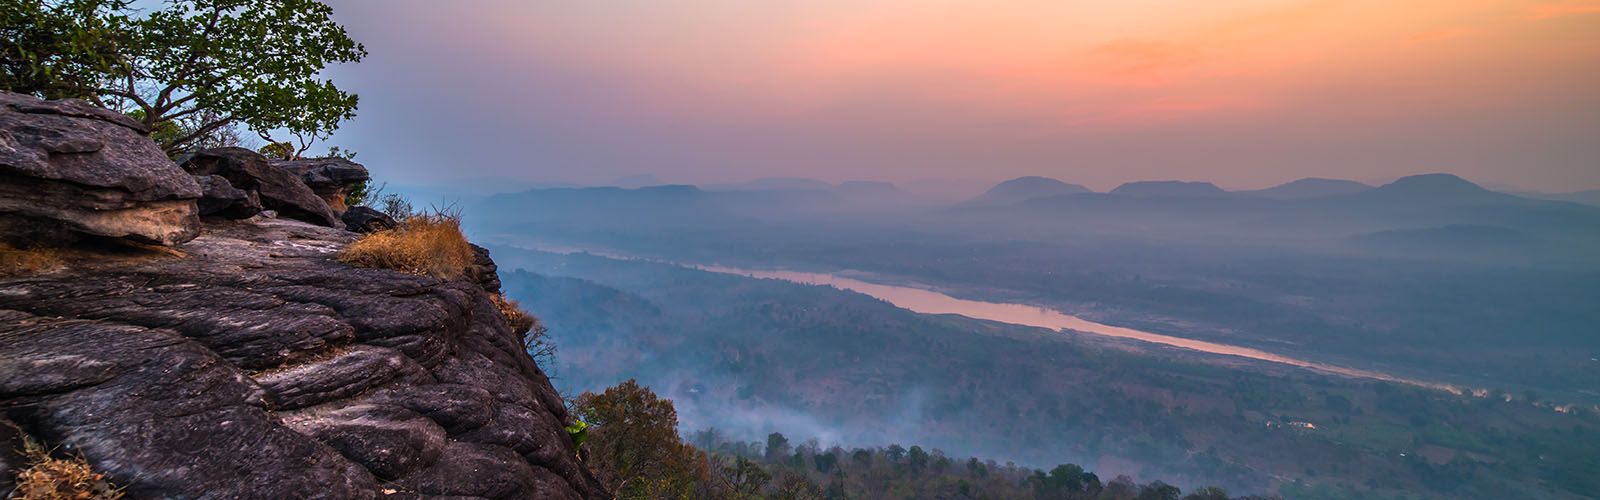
634, 449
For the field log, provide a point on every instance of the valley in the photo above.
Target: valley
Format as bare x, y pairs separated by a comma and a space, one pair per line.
922, 299
1298, 278
751, 356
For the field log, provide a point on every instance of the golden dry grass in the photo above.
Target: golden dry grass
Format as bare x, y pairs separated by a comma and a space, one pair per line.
521, 322
27, 262
427, 245
528, 327
50, 478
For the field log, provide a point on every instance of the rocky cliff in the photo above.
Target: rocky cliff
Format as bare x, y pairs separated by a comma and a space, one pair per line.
247, 362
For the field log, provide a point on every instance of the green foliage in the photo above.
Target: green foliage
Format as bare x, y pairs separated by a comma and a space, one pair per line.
379, 198
283, 150
358, 193
192, 69
338, 152
777, 446
578, 431
743, 477
59, 49
251, 61
633, 447
753, 471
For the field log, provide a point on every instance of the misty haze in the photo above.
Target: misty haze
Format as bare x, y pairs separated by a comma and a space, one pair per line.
1143, 250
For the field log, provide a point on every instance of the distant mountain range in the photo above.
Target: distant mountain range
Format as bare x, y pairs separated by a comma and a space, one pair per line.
1027, 188
1169, 188
1423, 211
1441, 187
1310, 187
1590, 197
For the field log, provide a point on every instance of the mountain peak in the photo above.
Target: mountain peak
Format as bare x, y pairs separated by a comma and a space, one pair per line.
1029, 187
1311, 187
1432, 185
1169, 188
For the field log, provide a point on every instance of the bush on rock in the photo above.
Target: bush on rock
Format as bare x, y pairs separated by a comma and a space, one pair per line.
425, 245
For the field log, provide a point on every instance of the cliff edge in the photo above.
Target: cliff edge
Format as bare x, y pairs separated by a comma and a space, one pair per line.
248, 362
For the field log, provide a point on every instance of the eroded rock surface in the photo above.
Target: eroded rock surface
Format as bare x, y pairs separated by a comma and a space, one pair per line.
278, 189
367, 220
331, 178
69, 169
483, 270
11, 457
256, 366
220, 198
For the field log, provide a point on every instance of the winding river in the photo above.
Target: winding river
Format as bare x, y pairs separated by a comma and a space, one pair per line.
932, 302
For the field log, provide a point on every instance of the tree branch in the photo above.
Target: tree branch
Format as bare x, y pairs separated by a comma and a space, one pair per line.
183, 113
132, 94
198, 133
195, 52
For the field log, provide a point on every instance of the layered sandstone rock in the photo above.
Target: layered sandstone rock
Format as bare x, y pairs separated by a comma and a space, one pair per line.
249, 362
70, 170
277, 189
331, 178
257, 366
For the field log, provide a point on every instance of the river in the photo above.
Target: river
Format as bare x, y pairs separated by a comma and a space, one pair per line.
927, 301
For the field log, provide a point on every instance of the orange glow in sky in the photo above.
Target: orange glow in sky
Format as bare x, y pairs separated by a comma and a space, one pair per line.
1269, 89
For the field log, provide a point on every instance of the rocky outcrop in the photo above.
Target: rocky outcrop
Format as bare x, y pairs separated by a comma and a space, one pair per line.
277, 189
255, 365
367, 220
483, 270
220, 198
69, 170
331, 178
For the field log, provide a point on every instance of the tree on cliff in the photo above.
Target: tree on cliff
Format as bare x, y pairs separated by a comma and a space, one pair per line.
191, 70
60, 49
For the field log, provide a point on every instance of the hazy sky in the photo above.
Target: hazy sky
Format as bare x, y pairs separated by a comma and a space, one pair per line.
1244, 93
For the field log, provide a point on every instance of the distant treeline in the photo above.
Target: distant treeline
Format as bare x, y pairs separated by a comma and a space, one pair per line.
755, 356
895, 471
629, 439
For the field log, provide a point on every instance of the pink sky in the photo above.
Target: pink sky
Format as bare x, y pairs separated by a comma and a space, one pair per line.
1245, 93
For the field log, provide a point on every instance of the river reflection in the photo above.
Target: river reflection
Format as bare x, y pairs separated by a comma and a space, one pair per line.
931, 302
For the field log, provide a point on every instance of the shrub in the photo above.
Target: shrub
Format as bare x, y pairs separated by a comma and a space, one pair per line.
528, 327
393, 205
51, 478
521, 322
27, 262
358, 193
378, 198
425, 245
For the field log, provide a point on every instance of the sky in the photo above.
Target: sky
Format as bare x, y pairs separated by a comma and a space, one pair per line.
1244, 93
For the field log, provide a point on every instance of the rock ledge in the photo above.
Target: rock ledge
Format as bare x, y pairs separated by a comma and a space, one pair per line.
256, 366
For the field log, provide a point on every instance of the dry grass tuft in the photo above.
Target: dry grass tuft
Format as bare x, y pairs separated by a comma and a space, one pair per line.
534, 335
27, 262
521, 322
426, 245
50, 478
